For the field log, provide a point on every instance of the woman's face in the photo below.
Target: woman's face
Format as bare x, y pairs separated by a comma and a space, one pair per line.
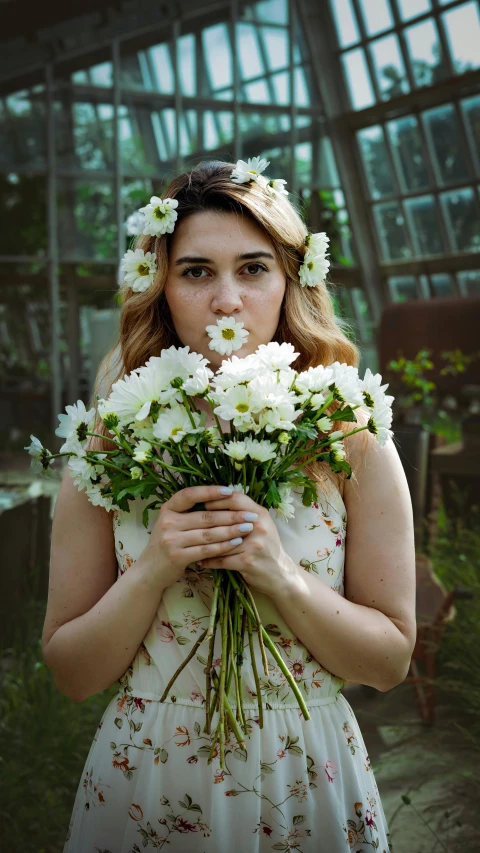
223, 265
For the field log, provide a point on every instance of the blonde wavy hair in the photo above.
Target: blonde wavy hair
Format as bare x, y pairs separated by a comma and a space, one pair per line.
307, 318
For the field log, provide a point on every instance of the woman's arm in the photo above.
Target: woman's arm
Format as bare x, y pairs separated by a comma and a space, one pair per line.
94, 623
367, 637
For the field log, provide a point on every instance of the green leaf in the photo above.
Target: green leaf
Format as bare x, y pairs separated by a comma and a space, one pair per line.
345, 414
197, 728
298, 818
195, 808
273, 495
265, 768
241, 754
183, 640
202, 660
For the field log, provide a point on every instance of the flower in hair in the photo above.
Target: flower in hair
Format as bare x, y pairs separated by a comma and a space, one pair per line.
277, 185
140, 269
315, 265
160, 216
250, 171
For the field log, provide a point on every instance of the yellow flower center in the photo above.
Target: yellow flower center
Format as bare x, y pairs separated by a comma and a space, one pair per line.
228, 334
310, 265
242, 407
176, 429
159, 213
143, 269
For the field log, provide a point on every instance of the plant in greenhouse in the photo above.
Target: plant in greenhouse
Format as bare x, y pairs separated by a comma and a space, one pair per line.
278, 424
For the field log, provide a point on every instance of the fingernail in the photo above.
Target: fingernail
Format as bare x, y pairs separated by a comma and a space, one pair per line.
226, 490
245, 528
250, 516
236, 541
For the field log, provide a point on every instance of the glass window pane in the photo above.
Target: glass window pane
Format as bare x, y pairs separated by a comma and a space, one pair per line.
23, 126
281, 87
411, 8
376, 162
345, 22
471, 112
83, 132
460, 209
462, 26
449, 158
276, 43
186, 64
218, 56
328, 173
188, 132
249, 57
86, 220
377, 16
408, 153
403, 288
217, 129
97, 75
358, 79
135, 193
148, 70
389, 67
302, 95
23, 214
424, 227
469, 282
391, 231
270, 11
362, 313
256, 93
443, 285
426, 58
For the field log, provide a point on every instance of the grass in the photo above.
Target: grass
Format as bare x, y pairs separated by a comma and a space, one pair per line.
45, 738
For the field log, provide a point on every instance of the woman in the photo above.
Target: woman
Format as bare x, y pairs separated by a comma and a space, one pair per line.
126, 603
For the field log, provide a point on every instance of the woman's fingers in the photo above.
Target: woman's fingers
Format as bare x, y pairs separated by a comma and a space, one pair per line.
208, 518
212, 535
213, 550
237, 502
185, 499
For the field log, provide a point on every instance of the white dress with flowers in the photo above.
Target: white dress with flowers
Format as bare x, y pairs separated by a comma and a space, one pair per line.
303, 785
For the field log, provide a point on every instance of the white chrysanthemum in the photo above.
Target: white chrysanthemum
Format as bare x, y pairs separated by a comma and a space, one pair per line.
131, 398
227, 335
84, 472
261, 451
174, 424
77, 416
38, 452
139, 269
265, 392
277, 185
373, 391
239, 488
176, 362
136, 473
236, 450
249, 171
379, 424
143, 451
281, 417
337, 450
95, 496
234, 405
347, 383
324, 424
135, 223
285, 508
317, 244
143, 430
199, 384
313, 270
235, 370
315, 379
160, 216
276, 356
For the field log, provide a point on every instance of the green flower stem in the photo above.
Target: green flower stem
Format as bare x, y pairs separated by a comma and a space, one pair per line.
273, 650
233, 722
255, 674
208, 673
187, 406
234, 667
205, 461
259, 629
183, 665
252, 479
214, 743
223, 671
213, 613
105, 438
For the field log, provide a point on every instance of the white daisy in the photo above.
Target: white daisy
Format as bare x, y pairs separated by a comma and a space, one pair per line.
337, 450
266, 392
281, 417
236, 450
76, 422
84, 472
249, 171
260, 451
135, 223
276, 356
379, 424
277, 185
140, 269
38, 452
174, 424
235, 370
285, 508
347, 383
372, 390
234, 405
136, 473
95, 495
131, 398
160, 216
227, 335
313, 270
199, 384
143, 451
317, 244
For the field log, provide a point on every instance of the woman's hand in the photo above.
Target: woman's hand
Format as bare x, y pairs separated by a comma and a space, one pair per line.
180, 537
261, 558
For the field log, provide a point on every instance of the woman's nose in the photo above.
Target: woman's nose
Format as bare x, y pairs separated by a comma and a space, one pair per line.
227, 298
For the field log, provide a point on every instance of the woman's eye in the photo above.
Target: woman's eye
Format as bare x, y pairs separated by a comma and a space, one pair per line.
260, 266
193, 270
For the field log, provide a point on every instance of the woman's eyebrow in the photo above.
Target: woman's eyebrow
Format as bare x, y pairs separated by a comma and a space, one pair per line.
196, 259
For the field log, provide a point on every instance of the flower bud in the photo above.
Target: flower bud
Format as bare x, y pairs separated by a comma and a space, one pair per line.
284, 438
110, 420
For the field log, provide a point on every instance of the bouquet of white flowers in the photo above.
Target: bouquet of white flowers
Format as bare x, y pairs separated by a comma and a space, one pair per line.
277, 418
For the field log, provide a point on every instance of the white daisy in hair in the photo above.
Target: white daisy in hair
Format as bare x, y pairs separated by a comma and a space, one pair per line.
317, 244
228, 335
313, 270
277, 186
250, 170
160, 216
139, 269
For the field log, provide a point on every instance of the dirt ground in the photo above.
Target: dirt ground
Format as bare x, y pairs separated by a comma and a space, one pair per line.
432, 764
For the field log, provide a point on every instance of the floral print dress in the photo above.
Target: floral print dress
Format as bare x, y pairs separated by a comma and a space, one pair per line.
301, 785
